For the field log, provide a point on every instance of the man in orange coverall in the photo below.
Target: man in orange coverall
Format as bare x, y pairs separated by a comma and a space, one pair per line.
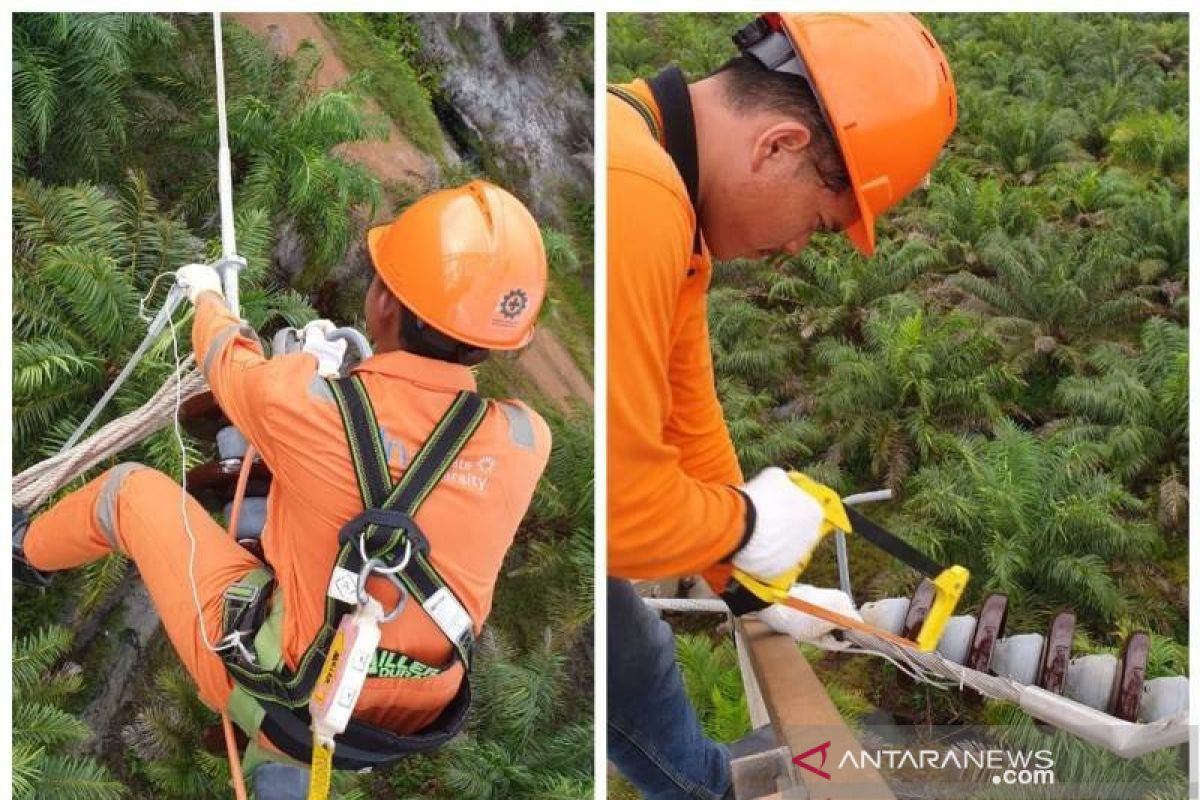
821, 123
459, 273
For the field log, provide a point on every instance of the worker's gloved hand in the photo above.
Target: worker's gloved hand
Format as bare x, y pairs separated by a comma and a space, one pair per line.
805, 627
198, 278
329, 353
789, 523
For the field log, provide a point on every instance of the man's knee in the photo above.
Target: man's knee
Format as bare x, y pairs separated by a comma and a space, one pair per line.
641, 643
116, 481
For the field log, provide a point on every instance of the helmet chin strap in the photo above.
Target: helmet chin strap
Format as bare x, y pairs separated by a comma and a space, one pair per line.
420, 338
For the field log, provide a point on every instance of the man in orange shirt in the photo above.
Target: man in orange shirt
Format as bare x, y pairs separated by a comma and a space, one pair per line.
458, 274
820, 124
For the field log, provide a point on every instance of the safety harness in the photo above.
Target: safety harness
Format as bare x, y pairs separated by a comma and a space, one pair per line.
383, 540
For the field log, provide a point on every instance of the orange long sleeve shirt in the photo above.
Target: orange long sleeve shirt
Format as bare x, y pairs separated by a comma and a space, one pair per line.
672, 508
286, 411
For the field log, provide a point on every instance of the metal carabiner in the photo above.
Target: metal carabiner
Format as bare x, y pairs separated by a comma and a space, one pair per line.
382, 570
373, 565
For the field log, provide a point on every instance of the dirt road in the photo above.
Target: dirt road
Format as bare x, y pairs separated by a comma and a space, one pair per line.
553, 370
395, 159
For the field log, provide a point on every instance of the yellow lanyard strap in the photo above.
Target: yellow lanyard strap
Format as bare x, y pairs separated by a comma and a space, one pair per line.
321, 770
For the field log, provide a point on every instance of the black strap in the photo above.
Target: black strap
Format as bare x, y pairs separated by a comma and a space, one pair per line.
386, 526
674, 102
670, 91
362, 745
741, 600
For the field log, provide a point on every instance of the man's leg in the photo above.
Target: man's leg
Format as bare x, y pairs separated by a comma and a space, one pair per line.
654, 736
137, 511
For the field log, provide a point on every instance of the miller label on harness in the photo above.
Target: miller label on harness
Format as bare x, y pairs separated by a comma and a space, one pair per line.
384, 541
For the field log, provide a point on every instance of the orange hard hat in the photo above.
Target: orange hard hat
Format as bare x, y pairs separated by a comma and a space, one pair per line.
886, 91
468, 261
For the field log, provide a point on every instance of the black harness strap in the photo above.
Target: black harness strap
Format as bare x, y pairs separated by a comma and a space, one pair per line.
674, 102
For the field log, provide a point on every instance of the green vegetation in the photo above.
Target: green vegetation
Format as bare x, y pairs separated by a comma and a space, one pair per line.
1012, 363
41, 769
714, 685
115, 186
388, 73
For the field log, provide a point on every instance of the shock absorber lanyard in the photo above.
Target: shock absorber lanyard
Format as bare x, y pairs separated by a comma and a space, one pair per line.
338, 687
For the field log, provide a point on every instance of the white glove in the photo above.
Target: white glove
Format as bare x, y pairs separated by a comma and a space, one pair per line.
805, 627
198, 278
323, 328
787, 526
329, 353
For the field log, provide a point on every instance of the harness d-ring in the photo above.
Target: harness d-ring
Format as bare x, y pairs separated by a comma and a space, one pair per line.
373, 565
382, 570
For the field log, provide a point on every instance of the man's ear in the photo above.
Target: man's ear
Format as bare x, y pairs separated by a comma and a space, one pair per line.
782, 142
387, 307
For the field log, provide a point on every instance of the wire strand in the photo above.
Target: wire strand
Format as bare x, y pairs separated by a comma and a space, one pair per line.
177, 428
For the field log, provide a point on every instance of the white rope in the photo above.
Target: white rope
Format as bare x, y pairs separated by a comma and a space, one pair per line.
35, 485
229, 641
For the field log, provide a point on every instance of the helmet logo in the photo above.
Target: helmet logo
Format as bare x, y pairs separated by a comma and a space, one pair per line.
513, 303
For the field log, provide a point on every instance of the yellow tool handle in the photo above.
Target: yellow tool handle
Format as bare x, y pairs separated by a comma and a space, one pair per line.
774, 590
949, 583
949, 586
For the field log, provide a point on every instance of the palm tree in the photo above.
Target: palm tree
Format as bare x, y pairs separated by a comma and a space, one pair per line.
1051, 292
97, 256
714, 685
894, 402
82, 248
1024, 139
764, 432
743, 340
1100, 109
283, 133
1088, 194
1136, 406
962, 214
833, 291
548, 579
40, 726
165, 739
71, 78
1035, 517
1152, 142
1157, 229
522, 741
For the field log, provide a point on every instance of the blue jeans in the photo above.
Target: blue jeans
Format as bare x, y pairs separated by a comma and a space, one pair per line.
654, 737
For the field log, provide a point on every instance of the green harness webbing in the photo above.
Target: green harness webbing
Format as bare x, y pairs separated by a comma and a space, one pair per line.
640, 107
383, 533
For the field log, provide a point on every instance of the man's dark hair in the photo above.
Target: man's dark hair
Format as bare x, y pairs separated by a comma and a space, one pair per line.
749, 87
422, 339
